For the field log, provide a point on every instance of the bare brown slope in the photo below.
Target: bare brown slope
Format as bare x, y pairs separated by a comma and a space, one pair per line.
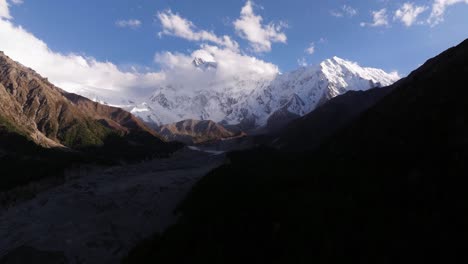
196, 131
113, 117
32, 106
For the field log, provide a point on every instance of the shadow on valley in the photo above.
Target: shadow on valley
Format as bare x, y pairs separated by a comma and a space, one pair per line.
23, 162
389, 187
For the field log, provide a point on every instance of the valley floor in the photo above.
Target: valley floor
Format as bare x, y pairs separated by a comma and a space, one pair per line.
99, 216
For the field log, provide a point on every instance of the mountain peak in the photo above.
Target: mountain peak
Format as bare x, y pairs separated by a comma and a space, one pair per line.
352, 76
338, 59
202, 64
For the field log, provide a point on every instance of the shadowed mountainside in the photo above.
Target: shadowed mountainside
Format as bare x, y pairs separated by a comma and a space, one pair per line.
308, 132
387, 188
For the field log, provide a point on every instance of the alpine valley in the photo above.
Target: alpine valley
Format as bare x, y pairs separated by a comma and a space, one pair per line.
130, 133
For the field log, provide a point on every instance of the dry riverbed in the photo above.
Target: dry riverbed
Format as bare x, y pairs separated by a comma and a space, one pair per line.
100, 215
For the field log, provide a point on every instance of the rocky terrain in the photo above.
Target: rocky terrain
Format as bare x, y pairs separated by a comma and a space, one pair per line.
196, 132
98, 215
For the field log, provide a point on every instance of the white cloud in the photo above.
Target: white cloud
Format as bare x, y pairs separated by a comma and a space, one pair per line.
336, 13
175, 25
438, 10
4, 10
90, 77
72, 72
17, 2
344, 10
249, 26
105, 81
180, 71
302, 62
311, 49
408, 13
380, 18
131, 23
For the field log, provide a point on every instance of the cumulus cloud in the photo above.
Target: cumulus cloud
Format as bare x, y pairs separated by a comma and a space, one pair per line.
72, 72
380, 18
4, 10
105, 81
408, 13
345, 10
180, 71
175, 25
438, 10
249, 26
131, 23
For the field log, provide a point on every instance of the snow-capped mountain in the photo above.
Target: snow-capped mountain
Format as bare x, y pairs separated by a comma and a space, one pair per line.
200, 63
252, 99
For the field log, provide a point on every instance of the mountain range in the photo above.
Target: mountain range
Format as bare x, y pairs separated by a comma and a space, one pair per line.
248, 101
52, 117
355, 164
251, 100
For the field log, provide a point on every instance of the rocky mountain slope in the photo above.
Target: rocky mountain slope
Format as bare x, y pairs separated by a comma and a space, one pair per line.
387, 188
252, 100
196, 131
33, 107
44, 131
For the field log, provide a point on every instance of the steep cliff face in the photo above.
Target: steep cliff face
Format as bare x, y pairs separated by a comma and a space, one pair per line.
33, 107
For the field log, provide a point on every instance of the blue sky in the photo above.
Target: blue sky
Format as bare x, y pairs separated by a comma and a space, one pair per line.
89, 27
392, 35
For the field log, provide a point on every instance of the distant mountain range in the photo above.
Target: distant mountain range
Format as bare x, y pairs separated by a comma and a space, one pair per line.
251, 100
